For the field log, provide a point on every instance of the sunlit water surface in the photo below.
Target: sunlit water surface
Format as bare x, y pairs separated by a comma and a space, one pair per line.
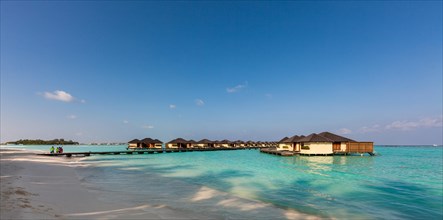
404, 182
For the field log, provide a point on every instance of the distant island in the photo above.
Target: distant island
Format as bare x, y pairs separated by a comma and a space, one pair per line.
43, 142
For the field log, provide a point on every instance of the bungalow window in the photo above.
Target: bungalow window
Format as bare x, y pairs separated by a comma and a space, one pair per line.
304, 147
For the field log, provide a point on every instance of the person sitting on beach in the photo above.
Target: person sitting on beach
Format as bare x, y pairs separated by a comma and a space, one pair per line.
60, 150
57, 150
52, 149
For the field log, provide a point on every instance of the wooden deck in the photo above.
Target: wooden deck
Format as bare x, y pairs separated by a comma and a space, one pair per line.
351, 148
277, 152
144, 151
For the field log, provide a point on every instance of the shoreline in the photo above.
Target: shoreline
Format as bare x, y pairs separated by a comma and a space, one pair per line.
34, 187
37, 187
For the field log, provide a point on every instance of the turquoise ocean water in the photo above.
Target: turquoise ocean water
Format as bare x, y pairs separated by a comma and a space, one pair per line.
405, 182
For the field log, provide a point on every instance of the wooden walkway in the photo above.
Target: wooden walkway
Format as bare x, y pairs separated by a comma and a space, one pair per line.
277, 152
292, 153
144, 151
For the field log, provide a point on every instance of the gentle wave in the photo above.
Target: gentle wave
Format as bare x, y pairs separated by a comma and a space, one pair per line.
405, 182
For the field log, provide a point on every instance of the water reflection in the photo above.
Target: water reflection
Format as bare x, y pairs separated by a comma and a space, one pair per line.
317, 165
336, 186
323, 165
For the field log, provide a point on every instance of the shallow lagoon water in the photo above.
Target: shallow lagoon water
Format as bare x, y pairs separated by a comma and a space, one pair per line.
404, 182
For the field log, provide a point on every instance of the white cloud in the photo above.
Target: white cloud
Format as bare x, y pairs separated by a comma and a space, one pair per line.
406, 125
199, 102
59, 96
125, 121
402, 125
344, 131
431, 122
172, 106
237, 88
369, 129
71, 116
147, 126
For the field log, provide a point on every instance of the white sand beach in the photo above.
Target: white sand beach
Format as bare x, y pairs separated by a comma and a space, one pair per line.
38, 187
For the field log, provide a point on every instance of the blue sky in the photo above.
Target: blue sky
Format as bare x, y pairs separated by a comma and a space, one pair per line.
111, 71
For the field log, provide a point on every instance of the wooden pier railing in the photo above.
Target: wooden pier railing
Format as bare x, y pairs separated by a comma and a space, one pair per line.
360, 147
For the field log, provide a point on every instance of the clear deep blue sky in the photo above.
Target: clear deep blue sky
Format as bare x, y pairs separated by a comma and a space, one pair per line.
110, 71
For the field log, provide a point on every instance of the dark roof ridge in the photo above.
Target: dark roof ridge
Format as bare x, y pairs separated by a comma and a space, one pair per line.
315, 138
179, 140
334, 137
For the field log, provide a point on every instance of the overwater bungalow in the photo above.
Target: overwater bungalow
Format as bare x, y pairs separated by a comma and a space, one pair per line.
134, 144
158, 144
151, 143
226, 143
144, 143
325, 143
178, 143
262, 144
205, 143
290, 144
282, 145
315, 144
257, 144
235, 144
217, 144
238, 143
192, 143
250, 144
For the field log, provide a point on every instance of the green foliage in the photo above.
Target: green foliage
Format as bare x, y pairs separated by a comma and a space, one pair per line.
43, 142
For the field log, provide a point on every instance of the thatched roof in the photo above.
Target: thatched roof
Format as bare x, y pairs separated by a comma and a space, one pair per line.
321, 137
314, 138
205, 141
157, 141
135, 141
192, 142
293, 139
334, 137
283, 140
225, 141
147, 140
178, 141
150, 141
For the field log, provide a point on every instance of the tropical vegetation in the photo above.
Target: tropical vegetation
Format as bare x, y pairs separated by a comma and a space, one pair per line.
44, 142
